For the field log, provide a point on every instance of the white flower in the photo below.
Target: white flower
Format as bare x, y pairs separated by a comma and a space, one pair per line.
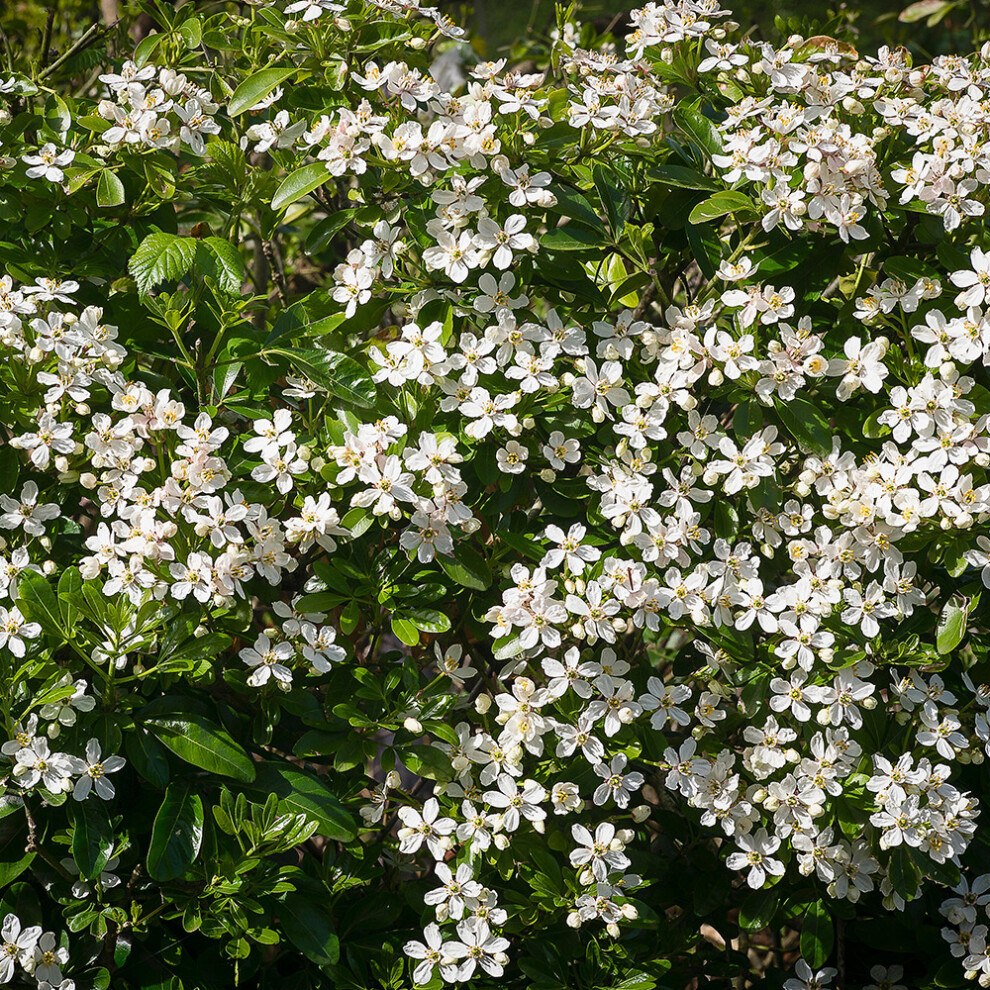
26, 512
757, 856
94, 776
48, 163
433, 953
511, 458
598, 850
615, 783
808, 979
427, 827
17, 944
267, 659
478, 947
14, 631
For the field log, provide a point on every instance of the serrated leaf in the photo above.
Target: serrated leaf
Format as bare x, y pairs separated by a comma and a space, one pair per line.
109, 189
256, 87
221, 261
161, 258
176, 835
300, 183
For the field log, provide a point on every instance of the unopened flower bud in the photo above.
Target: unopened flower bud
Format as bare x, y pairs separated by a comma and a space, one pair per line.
573, 920
640, 813
413, 725
629, 912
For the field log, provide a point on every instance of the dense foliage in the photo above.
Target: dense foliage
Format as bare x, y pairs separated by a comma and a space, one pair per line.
515, 525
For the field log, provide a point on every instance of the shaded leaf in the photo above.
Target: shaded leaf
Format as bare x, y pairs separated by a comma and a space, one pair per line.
176, 835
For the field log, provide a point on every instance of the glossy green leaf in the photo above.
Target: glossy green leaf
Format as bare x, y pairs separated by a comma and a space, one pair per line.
161, 258
92, 836
467, 567
339, 374
719, 205
817, 935
309, 928
300, 183
951, 626
202, 743
256, 87
301, 793
109, 189
177, 833
38, 603
682, 177
699, 128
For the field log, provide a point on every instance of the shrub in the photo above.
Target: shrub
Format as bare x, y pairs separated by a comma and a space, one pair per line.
517, 526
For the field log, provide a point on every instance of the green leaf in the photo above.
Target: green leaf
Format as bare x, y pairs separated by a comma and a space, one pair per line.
405, 631
301, 793
699, 128
70, 596
427, 761
339, 374
176, 835
221, 261
719, 205
682, 177
256, 87
817, 935
615, 201
148, 757
147, 47
296, 322
428, 620
92, 837
758, 908
951, 626
161, 258
191, 32
570, 238
309, 928
806, 424
202, 743
300, 183
109, 189
467, 567
570, 203
38, 603
934, 10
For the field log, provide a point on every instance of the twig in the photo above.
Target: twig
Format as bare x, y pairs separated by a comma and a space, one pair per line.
46, 40
277, 275
90, 36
